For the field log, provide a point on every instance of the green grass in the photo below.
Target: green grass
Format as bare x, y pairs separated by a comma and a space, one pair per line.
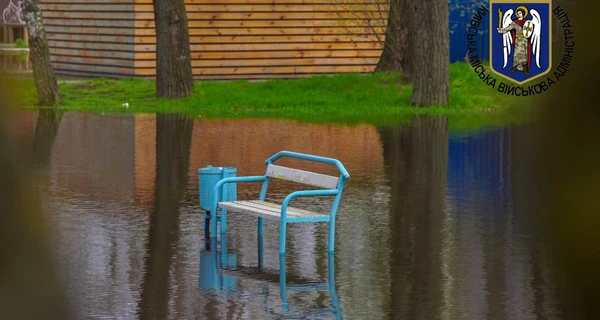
20, 43
380, 99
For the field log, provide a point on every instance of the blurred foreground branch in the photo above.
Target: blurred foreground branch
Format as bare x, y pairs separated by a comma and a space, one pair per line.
28, 285
567, 174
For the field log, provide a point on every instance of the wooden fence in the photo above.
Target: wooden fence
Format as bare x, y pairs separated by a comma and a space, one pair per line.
231, 39
91, 37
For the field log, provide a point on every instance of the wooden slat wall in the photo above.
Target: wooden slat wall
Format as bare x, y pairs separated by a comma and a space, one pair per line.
259, 39
91, 37
230, 39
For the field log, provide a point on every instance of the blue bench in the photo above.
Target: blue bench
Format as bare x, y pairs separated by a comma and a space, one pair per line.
330, 186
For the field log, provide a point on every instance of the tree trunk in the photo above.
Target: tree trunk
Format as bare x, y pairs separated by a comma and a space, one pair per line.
396, 55
173, 59
432, 53
43, 72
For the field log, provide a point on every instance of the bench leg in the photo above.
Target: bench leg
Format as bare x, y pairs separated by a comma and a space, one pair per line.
260, 242
331, 235
283, 284
223, 221
223, 250
260, 227
282, 231
213, 224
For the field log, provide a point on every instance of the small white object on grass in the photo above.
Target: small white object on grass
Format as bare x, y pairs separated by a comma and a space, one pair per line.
125, 105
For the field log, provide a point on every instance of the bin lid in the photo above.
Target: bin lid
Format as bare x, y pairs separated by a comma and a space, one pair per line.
210, 170
215, 170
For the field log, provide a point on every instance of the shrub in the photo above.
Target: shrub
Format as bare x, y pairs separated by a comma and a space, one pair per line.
19, 43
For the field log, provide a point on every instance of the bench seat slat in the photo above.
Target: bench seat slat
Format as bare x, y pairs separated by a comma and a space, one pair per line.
274, 206
267, 209
301, 176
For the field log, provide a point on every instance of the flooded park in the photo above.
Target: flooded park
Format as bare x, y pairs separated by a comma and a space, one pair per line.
460, 138
433, 224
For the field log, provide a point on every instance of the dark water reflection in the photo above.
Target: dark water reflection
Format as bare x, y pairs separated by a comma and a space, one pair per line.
416, 158
173, 142
432, 223
14, 60
46, 129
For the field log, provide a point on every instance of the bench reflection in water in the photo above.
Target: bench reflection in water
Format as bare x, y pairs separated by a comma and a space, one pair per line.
219, 272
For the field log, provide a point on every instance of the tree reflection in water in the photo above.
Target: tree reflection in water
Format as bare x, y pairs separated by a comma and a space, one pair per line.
173, 143
46, 129
416, 159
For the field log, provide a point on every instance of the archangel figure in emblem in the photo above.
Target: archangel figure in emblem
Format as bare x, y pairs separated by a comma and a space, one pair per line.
523, 34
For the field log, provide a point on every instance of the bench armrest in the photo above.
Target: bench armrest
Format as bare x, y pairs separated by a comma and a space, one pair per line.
305, 193
221, 182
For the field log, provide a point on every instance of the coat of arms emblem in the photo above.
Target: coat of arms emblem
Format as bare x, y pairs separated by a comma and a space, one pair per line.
520, 41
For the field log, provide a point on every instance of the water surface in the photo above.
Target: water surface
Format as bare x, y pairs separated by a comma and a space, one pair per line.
432, 224
13, 60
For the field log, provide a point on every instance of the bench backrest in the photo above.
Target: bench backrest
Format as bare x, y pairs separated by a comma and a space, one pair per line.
301, 176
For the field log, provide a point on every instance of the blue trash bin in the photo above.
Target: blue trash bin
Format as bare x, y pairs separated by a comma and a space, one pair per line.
208, 179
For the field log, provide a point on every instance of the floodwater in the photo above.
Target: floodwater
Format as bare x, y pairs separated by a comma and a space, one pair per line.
14, 60
433, 223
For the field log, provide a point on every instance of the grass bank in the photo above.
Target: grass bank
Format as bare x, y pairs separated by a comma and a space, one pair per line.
381, 99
